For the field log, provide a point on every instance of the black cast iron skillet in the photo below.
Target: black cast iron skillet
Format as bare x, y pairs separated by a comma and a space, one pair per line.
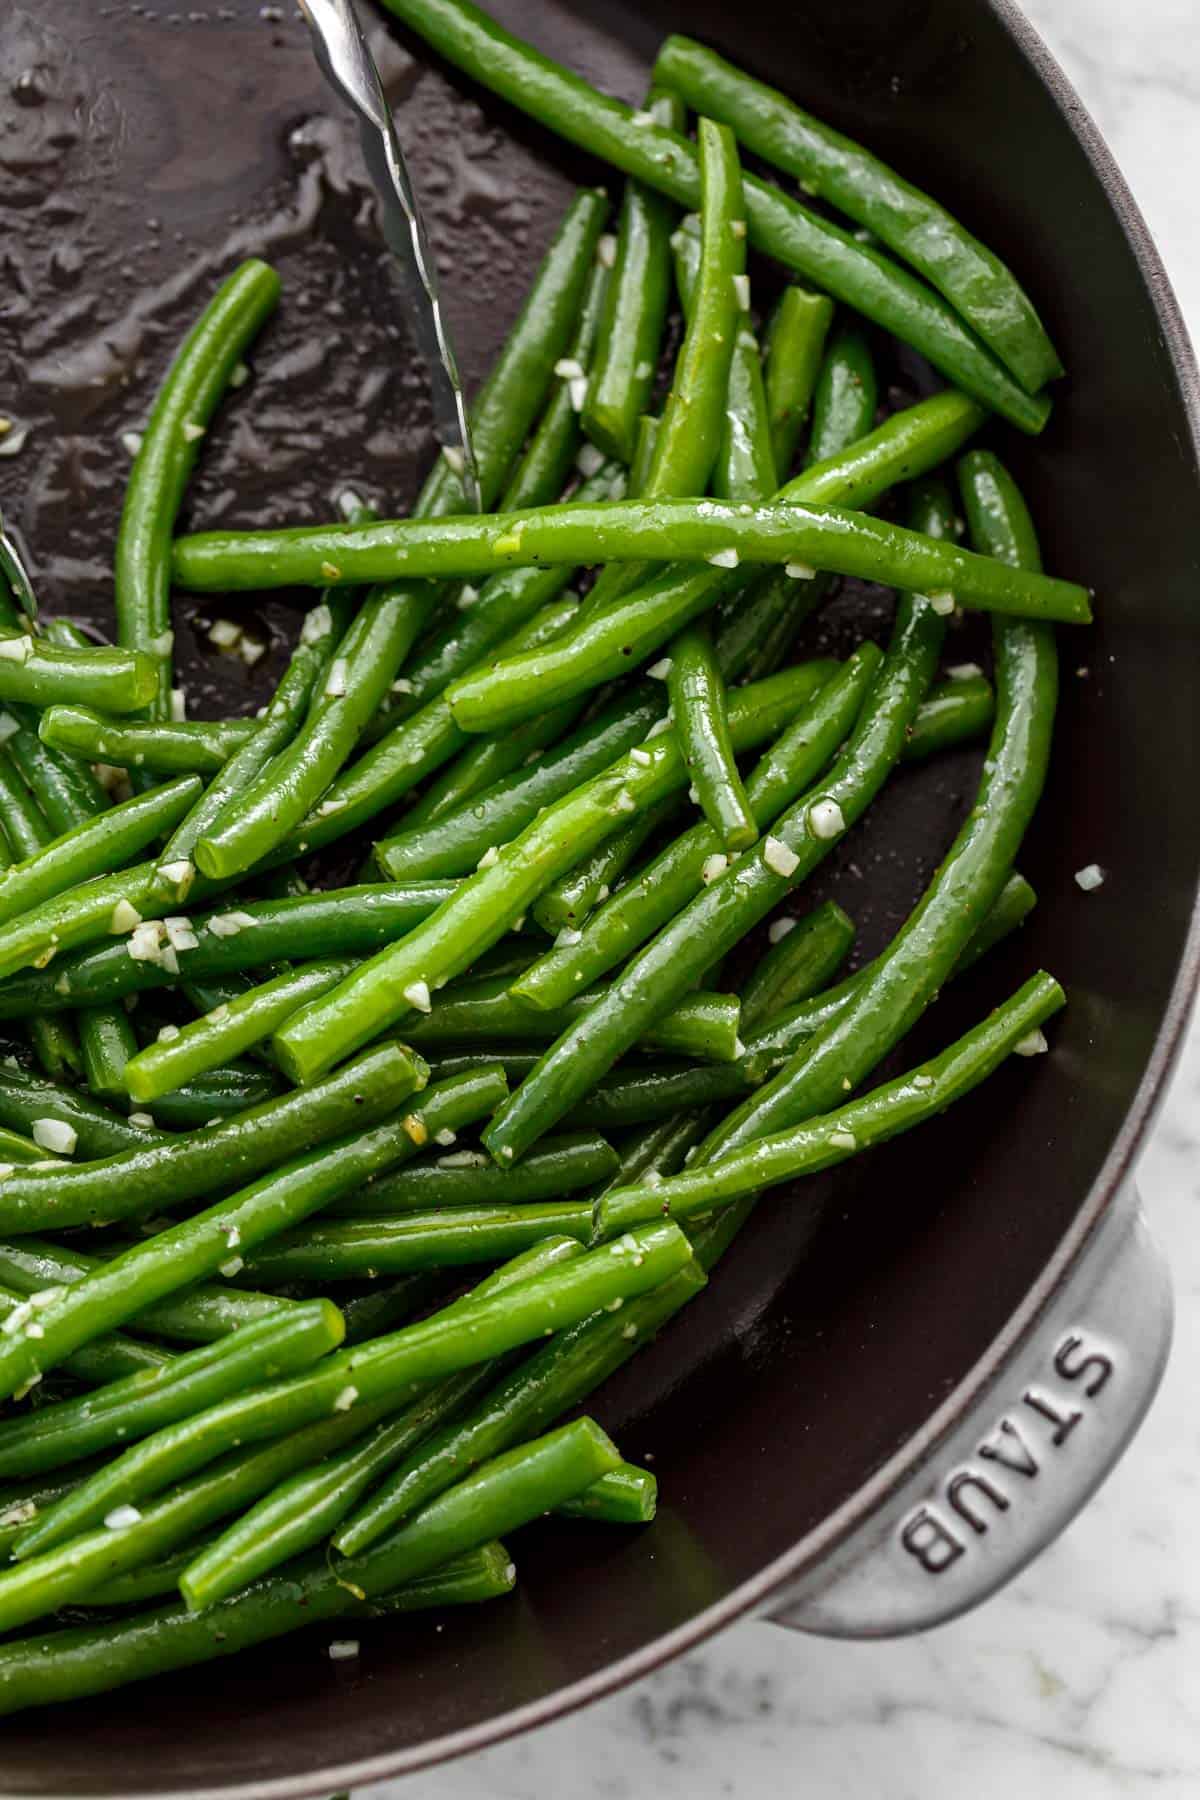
851, 1335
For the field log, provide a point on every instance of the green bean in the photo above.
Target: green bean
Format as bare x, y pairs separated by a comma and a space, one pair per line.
831, 537
638, 1096
923, 953
16, 1148
124, 1411
702, 1025
795, 342
690, 433
673, 878
507, 1493
350, 921
804, 1149
846, 394
110, 1358
869, 281
186, 401
1010, 909
87, 912
93, 847
907, 443
220, 1094
471, 1331
568, 901
26, 831
635, 311
523, 1402
302, 1510
489, 903
835, 169
354, 1249
36, 673
201, 1315
138, 1182
25, 828
744, 468
230, 1027
66, 789
643, 455
957, 711
560, 1165
625, 1496
801, 962
699, 711
735, 901
193, 747
24, 1099
107, 1042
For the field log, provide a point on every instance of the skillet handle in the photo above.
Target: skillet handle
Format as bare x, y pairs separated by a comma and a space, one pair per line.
1007, 1478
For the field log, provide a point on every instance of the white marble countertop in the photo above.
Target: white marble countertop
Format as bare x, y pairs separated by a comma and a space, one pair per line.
1081, 1680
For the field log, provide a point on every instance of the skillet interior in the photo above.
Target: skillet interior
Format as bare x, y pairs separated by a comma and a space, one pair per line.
164, 145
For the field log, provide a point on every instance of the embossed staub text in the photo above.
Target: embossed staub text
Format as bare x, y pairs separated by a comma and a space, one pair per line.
1022, 1448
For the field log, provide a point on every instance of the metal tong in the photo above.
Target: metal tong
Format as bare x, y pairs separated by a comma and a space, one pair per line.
348, 66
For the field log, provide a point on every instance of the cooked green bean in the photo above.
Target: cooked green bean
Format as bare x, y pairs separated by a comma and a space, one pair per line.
546, 463
201, 1315
506, 1493
93, 847
702, 1025
744, 468
218, 1095
921, 956
358, 1249
835, 169
823, 536
568, 901
869, 281
560, 1165
471, 1331
673, 878
736, 900
638, 1096
351, 921
699, 710
25, 830
635, 312
801, 961
608, 644
126, 1410
522, 1403
846, 394
625, 1496
489, 903
168, 747
794, 346
305, 1508
86, 913
644, 454
804, 1149
35, 672
957, 711
186, 401
215, 1160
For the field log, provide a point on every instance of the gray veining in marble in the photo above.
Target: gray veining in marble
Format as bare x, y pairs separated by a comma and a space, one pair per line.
1082, 1680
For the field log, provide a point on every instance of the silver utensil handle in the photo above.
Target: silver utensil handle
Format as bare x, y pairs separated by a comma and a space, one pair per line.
1008, 1477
